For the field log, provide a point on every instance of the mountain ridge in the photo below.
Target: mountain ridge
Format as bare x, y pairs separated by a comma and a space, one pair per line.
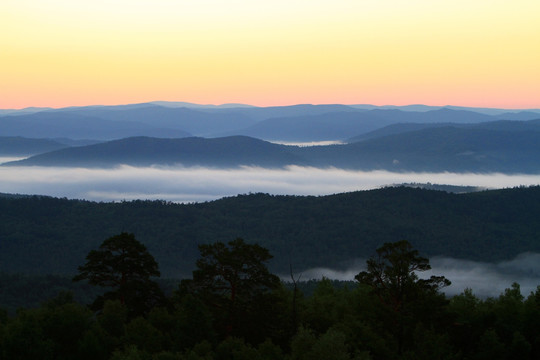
432, 149
50, 235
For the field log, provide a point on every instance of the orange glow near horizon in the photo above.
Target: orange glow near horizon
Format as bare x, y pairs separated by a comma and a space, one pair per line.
71, 53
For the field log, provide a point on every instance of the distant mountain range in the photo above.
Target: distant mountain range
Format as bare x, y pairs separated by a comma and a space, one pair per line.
502, 146
144, 151
279, 123
80, 125
410, 138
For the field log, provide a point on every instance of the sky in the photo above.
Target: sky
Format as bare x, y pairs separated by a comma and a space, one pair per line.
481, 53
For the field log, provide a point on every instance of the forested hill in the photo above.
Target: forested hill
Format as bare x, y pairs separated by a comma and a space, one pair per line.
506, 148
49, 235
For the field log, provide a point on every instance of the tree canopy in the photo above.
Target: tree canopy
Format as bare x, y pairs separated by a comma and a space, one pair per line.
231, 278
125, 265
335, 320
392, 277
392, 274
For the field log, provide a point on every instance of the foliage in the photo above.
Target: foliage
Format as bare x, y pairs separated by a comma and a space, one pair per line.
125, 265
392, 275
357, 321
408, 300
43, 235
233, 280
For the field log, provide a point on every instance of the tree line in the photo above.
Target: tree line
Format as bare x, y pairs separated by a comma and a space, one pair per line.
43, 235
233, 307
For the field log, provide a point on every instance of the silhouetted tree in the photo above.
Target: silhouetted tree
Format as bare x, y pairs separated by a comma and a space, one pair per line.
233, 280
125, 265
392, 277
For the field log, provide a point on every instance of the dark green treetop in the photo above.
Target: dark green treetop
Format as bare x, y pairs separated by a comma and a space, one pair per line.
125, 265
407, 301
236, 270
232, 279
392, 274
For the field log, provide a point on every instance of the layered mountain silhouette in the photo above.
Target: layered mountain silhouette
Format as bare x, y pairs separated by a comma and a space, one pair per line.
296, 123
410, 138
193, 151
58, 124
19, 146
508, 147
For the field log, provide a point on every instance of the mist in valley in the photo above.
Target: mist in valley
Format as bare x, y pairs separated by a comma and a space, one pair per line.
485, 279
186, 185
196, 184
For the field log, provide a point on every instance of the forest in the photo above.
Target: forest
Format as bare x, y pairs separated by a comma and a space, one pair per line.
44, 235
233, 307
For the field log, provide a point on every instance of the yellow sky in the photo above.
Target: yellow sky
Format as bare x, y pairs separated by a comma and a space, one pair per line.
461, 52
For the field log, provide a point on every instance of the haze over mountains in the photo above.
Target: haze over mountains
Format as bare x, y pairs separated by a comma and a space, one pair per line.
161, 133
189, 153
296, 122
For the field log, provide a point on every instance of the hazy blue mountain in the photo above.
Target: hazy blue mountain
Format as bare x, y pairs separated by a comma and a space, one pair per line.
508, 147
522, 115
501, 125
19, 146
443, 115
396, 129
82, 109
457, 149
58, 124
176, 104
513, 114
414, 107
492, 111
263, 113
192, 151
77, 142
25, 111
509, 125
195, 122
327, 126
296, 123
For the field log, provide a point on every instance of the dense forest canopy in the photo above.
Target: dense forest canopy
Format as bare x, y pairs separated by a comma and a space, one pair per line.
44, 235
233, 308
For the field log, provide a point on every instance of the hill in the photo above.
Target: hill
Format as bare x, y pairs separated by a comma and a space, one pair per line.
295, 123
319, 127
48, 235
192, 121
509, 149
19, 146
144, 151
500, 125
65, 124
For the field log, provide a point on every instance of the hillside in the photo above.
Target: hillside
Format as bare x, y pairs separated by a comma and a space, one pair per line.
144, 151
436, 149
506, 147
192, 121
42, 235
303, 122
500, 125
320, 127
65, 124
19, 146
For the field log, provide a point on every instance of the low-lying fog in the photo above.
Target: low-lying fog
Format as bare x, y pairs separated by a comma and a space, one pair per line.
485, 279
202, 184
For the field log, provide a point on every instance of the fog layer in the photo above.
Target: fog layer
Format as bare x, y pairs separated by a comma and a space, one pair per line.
202, 184
485, 279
